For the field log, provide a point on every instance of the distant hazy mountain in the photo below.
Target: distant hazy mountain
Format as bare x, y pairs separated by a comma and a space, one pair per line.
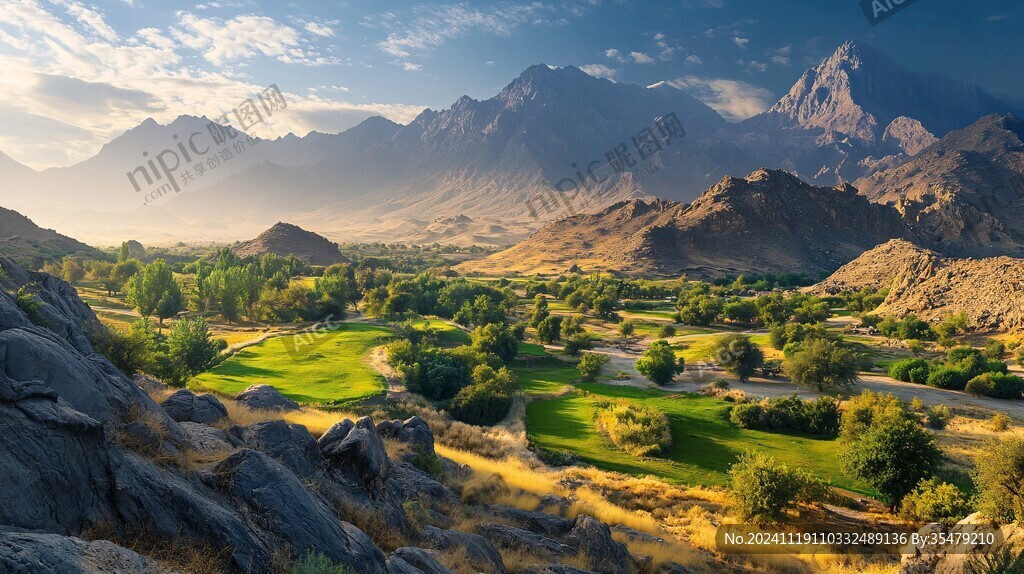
498, 161
769, 221
32, 245
964, 194
285, 239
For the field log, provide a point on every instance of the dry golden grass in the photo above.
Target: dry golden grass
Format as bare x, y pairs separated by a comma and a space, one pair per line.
174, 554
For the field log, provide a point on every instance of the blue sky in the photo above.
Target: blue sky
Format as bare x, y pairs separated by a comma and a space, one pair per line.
77, 73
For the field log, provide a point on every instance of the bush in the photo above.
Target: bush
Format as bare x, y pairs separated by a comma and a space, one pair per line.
935, 501
946, 377
996, 385
893, 458
496, 339
910, 371
937, 416
868, 409
487, 400
747, 415
823, 364
578, 342
765, 490
590, 366
819, 417
823, 416
994, 349
640, 430
315, 563
436, 375
999, 472
627, 328
659, 364
667, 331
999, 422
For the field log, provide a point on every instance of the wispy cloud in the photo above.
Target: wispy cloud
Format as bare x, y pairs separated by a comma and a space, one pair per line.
641, 58
600, 71
735, 100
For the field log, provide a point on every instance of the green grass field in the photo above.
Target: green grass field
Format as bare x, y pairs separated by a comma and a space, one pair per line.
544, 376
705, 443
698, 348
328, 368
448, 335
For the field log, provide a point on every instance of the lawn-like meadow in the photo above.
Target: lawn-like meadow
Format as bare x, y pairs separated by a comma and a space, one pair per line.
705, 443
327, 367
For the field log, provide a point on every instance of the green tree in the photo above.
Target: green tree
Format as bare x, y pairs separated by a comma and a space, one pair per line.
540, 310
487, 400
549, 331
590, 366
190, 348
71, 271
627, 328
153, 290
122, 272
659, 364
999, 476
766, 489
822, 364
131, 351
893, 458
496, 339
935, 501
738, 355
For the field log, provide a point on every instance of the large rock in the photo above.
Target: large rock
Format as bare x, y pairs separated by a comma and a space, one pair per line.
413, 430
414, 561
265, 397
184, 405
357, 447
593, 539
288, 509
414, 484
481, 554
540, 522
29, 553
510, 537
555, 569
289, 444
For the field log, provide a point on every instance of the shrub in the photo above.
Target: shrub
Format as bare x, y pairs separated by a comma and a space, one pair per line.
946, 377
747, 415
823, 364
578, 342
667, 331
893, 458
937, 416
549, 330
496, 339
771, 368
999, 472
31, 305
627, 328
765, 490
994, 349
487, 400
437, 375
869, 409
823, 416
935, 501
640, 430
659, 364
999, 422
910, 369
996, 385
590, 366
820, 416
315, 563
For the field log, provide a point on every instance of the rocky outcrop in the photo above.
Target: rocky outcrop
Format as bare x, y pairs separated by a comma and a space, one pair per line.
285, 239
414, 561
265, 397
593, 539
184, 405
29, 553
289, 444
413, 431
479, 552
359, 447
504, 536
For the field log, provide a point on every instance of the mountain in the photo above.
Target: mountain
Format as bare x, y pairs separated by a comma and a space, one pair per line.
858, 110
23, 240
965, 193
769, 221
920, 281
285, 239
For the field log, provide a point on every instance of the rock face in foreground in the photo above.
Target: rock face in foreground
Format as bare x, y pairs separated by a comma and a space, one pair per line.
990, 291
769, 221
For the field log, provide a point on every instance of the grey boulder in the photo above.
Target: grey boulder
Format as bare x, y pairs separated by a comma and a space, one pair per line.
504, 536
357, 447
593, 539
413, 430
289, 444
28, 553
482, 555
414, 561
184, 405
265, 397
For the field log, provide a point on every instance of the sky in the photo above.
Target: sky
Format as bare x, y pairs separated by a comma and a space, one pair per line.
78, 74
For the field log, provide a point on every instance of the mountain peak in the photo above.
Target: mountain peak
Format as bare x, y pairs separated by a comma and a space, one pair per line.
286, 239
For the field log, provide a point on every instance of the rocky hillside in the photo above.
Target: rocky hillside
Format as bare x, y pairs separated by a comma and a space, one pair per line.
965, 193
285, 239
769, 221
990, 291
26, 242
87, 458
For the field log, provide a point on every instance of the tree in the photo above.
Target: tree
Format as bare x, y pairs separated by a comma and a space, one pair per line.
765, 489
540, 310
590, 366
578, 342
487, 400
190, 348
71, 271
999, 475
154, 290
935, 501
822, 364
893, 458
626, 329
738, 355
667, 331
659, 364
549, 330
130, 351
122, 272
495, 339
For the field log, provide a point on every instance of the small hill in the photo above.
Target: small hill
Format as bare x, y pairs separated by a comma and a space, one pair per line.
286, 239
990, 291
26, 242
769, 221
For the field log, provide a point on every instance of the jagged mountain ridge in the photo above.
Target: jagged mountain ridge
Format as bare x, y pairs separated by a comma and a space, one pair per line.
965, 193
769, 221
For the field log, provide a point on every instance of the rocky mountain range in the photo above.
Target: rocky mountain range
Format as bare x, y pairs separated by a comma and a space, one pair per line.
854, 114
769, 221
285, 239
920, 281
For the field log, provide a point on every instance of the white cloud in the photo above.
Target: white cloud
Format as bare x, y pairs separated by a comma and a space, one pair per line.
244, 37
750, 66
641, 58
781, 56
319, 29
614, 54
694, 59
735, 100
92, 19
741, 42
600, 71
410, 67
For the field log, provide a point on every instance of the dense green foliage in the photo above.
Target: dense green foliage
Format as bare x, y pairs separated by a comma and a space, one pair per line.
766, 490
590, 366
659, 364
935, 501
487, 400
894, 457
999, 476
639, 429
738, 355
820, 417
823, 364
